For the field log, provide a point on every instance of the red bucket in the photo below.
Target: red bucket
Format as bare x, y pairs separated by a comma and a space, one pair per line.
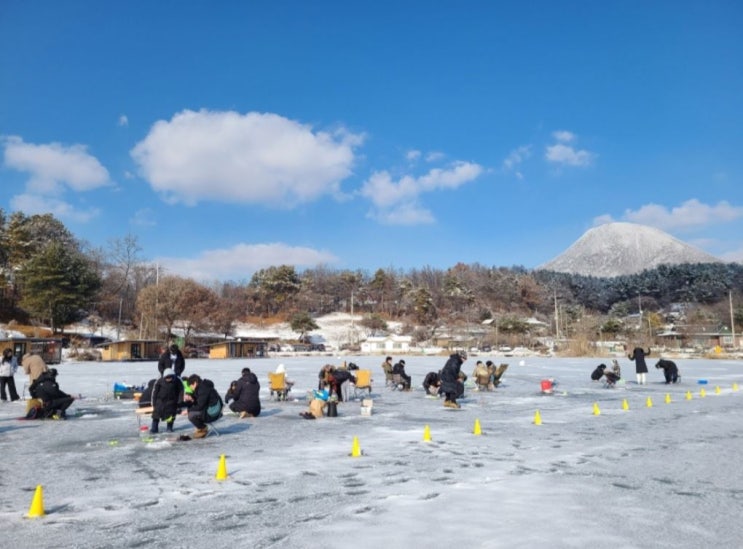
547, 386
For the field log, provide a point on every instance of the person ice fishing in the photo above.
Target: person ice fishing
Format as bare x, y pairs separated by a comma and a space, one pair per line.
399, 369
55, 401
167, 396
33, 365
670, 370
450, 379
641, 368
244, 393
206, 404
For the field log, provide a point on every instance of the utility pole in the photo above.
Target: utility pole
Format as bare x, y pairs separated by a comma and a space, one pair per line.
557, 319
732, 318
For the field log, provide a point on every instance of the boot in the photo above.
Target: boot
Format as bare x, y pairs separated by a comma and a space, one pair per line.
169, 427
200, 433
154, 427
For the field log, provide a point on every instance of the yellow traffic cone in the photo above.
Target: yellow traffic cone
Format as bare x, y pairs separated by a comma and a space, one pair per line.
537, 418
668, 398
717, 389
596, 411
735, 387
702, 393
426, 434
355, 448
649, 403
222, 468
625, 404
37, 504
688, 395
477, 430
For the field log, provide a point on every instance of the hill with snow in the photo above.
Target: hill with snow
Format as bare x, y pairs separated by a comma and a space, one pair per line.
616, 249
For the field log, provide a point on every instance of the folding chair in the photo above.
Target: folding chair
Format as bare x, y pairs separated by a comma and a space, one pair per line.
363, 383
277, 385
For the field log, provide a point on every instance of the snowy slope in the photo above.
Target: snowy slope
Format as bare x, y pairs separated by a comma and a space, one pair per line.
616, 249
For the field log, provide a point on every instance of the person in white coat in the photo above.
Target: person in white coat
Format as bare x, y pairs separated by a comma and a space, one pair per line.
8, 367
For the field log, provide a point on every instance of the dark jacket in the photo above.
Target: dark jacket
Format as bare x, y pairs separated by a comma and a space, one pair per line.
166, 398
145, 398
598, 373
432, 378
47, 389
450, 374
245, 392
177, 365
341, 376
670, 370
207, 401
638, 355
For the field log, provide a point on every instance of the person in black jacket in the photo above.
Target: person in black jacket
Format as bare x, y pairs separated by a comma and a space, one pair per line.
172, 358
205, 404
337, 377
450, 379
245, 394
432, 383
399, 368
638, 355
167, 396
670, 370
55, 401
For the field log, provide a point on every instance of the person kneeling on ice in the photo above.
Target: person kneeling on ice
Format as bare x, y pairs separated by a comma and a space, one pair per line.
432, 384
482, 377
245, 394
451, 385
205, 404
318, 401
670, 370
54, 401
167, 396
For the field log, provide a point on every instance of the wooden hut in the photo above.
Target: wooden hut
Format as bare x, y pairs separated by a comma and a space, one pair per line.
127, 350
245, 347
48, 348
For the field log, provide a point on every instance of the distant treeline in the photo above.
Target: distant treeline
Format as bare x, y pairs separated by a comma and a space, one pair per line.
51, 278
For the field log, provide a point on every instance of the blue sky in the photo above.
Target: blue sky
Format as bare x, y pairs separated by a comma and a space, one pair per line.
231, 136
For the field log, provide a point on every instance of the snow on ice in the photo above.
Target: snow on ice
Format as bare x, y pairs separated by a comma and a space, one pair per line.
660, 476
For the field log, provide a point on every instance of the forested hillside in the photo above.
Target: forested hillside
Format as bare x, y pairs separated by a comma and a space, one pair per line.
50, 278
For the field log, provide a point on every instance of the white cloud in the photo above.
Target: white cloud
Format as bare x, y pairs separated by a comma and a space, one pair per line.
54, 168
567, 155
384, 192
435, 156
242, 260
563, 154
412, 155
37, 204
602, 220
123, 120
409, 213
691, 213
563, 136
248, 158
516, 157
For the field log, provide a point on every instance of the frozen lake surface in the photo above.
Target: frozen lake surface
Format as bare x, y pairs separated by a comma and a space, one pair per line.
667, 475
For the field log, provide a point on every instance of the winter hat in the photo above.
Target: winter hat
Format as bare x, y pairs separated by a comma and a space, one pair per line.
280, 369
168, 372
